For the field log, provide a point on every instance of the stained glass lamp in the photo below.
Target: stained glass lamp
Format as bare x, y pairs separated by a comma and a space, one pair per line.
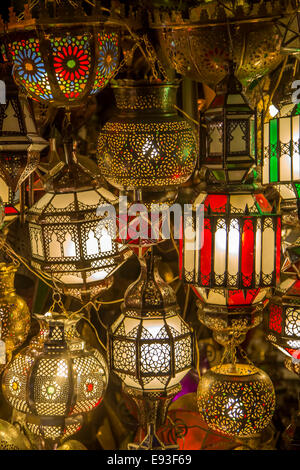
281, 147
65, 54
228, 140
56, 379
20, 144
72, 240
151, 347
236, 399
146, 146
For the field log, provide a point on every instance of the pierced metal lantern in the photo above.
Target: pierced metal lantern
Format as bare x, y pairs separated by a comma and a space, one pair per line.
72, 230
150, 347
64, 55
283, 320
20, 144
228, 140
55, 379
14, 312
147, 145
236, 399
11, 438
200, 45
281, 148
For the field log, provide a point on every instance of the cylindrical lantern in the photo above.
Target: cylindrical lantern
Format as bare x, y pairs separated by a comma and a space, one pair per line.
236, 399
228, 140
72, 228
14, 312
281, 147
150, 345
55, 380
147, 145
64, 55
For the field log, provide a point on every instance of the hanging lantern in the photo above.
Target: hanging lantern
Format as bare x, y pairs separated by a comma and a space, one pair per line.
228, 140
69, 240
20, 144
150, 346
11, 438
283, 321
236, 399
281, 147
200, 45
64, 55
291, 35
55, 379
147, 146
14, 312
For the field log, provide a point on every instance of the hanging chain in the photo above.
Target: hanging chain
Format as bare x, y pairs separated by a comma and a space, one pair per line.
154, 60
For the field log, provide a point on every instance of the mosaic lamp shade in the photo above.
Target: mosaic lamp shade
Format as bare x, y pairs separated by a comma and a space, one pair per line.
150, 345
64, 55
72, 238
56, 379
147, 145
281, 150
228, 133
283, 317
236, 399
20, 144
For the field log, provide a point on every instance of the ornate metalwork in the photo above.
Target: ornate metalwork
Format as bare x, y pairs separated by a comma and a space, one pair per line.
147, 145
55, 380
236, 399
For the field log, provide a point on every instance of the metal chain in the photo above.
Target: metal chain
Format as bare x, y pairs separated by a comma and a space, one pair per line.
154, 60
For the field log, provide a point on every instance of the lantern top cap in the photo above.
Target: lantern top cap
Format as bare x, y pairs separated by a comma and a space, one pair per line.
150, 295
58, 318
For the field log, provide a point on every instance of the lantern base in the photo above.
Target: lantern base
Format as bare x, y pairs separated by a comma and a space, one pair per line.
152, 442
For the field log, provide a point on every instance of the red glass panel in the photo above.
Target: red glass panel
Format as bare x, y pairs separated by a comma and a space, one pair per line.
10, 210
275, 318
263, 204
241, 297
197, 293
180, 247
205, 254
295, 289
247, 253
216, 202
278, 250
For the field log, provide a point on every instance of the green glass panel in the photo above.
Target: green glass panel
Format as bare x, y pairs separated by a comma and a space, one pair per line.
297, 186
273, 151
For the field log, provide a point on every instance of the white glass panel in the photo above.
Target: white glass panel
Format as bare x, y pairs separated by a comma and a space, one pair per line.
220, 250
130, 324
105, 241
88, 198
241, 201
215, 145
69, 246
92, 247
189, 248
54, 247
153, 326
296, 156
237, 141
265, 175
62, 201
268, 247
98, 276
285, 158
233, 247
258, 248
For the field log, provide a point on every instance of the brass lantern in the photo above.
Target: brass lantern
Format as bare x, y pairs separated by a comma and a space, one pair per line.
228, 140
150, 345
55, 379
147, 145
236, 399
64, 54
20, 144
72, 240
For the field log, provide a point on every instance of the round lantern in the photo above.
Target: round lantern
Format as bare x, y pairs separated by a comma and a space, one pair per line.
281, 145
55, 380
200, 46
14, 312
283, 321
64, 55
236, 399
147, 145
72, 230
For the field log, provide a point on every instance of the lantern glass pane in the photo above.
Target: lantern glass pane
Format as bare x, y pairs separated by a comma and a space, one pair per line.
273, 150
292, 321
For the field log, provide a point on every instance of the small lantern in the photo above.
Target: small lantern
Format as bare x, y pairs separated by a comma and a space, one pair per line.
71, 238
228, 141
62, 56
150, 345
236, 399
283, 320
20, 144
147, 145
281, 147
55, 379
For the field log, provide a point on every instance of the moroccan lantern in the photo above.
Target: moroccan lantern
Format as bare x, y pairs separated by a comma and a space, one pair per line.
228, 141
150, 345
20, 144
281, 164
236, 399
72, 230
14, 312
11, 438
146, 146
64, 54
56, 379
